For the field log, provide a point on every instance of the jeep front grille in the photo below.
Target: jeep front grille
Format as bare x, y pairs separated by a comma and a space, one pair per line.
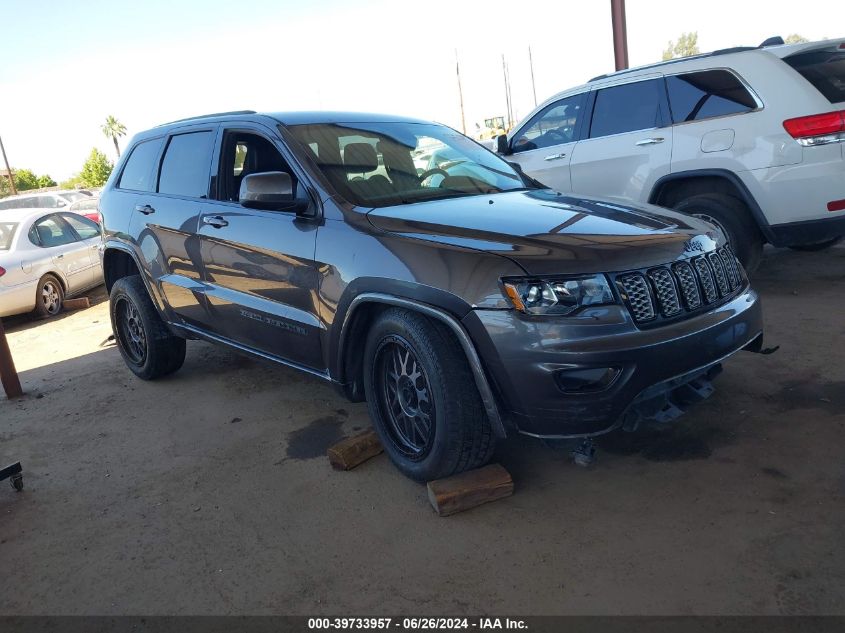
671, 291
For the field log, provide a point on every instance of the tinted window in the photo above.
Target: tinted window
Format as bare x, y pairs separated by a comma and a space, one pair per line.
696, 96
138, 173
553, 126
626, 108
245, 154
83, 226
7, 232
824, 69
185, 168
10, 204
46, 202
51, 231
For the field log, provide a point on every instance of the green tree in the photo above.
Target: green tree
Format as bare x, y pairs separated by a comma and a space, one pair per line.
686, 45
25, 179
46, 181
74, 182
96, 169
114, 129
795, 39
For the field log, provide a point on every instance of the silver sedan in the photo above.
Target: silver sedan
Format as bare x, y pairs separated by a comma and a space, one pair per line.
45, 256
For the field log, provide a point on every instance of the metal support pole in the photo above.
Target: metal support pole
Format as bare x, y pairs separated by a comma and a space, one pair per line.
620, 33
8, 374
8, 169
531, 65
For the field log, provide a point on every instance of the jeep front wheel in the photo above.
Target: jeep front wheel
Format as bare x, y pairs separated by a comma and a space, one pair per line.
422, 398
731, 217
149, 349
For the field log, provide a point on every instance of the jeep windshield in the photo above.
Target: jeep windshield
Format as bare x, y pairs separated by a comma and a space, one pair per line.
386, 164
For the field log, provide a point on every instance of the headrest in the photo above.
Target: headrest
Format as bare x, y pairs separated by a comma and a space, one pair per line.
360, 157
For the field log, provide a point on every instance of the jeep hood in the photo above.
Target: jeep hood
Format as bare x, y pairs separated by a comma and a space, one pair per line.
546, 232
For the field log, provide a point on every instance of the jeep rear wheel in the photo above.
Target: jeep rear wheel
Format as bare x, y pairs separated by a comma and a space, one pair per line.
149, 349
731, 217
422, 398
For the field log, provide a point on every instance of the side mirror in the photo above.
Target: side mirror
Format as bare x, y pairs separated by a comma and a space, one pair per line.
502, 146
272, 191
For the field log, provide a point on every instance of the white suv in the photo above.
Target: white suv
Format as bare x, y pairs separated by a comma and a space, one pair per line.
751, 139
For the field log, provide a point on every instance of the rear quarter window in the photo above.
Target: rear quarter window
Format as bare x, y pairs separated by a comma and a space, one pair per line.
707, 94
825, 69
7, 232
138, 174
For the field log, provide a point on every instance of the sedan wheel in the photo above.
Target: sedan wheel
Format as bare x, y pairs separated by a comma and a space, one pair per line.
49, 297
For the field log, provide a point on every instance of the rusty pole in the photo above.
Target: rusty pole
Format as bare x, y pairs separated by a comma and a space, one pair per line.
8, 374
620, 33
8, 169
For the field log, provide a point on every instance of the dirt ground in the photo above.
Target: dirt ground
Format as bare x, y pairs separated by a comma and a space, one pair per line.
209, 492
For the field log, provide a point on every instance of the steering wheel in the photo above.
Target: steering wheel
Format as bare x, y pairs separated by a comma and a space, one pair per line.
428, 173
557, 136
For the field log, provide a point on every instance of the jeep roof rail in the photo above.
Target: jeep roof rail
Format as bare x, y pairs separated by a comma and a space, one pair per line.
721, 51
208, 116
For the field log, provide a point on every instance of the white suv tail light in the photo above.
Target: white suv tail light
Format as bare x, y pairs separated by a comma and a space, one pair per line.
817, 129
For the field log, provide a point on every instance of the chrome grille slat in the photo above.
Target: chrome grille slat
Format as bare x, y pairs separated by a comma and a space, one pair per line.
708, 284
639, 296
665, 292
719, 272
688, 285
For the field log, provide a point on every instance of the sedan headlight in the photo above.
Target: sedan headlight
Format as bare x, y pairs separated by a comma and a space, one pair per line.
557, 296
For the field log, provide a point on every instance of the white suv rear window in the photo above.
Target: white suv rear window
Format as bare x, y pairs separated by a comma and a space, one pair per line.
825, 69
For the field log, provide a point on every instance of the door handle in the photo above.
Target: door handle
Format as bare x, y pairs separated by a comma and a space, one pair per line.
216, 221
60, 256
144, 208
650, 141
555, 156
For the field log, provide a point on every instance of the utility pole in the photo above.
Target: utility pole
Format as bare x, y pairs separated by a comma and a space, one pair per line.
620, 33
507, 91
460, 92
531, 65
8, 169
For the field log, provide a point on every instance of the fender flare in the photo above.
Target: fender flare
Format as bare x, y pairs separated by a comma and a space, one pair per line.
126, 249
725, 174
477, 369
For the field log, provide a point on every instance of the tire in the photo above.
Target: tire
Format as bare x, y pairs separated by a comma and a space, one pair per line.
818, 246
49, 297
413, 366
734, 219
149, 349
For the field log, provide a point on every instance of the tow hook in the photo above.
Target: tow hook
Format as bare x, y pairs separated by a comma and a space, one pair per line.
766, 351
585, 454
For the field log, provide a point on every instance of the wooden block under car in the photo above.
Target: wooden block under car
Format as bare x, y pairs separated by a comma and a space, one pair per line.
354, 450
77, 304
470, 489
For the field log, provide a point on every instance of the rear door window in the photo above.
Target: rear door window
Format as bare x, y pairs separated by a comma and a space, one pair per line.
706, 94
626, 108
825, 69
52, 231
185, 169
138, 173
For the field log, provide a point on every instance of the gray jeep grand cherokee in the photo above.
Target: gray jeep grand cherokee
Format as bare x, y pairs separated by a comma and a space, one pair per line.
415, 269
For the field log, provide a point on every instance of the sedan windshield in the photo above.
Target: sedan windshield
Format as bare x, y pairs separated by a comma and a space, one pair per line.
7, 232
385, 164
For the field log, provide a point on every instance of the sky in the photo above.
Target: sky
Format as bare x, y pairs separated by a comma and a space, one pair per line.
67, 65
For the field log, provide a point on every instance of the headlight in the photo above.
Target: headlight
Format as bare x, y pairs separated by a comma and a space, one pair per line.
557, 296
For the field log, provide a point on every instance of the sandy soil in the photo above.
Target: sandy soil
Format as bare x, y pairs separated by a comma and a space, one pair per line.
209, 492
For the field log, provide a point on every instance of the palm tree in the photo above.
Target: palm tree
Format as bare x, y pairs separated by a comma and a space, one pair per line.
114, 129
